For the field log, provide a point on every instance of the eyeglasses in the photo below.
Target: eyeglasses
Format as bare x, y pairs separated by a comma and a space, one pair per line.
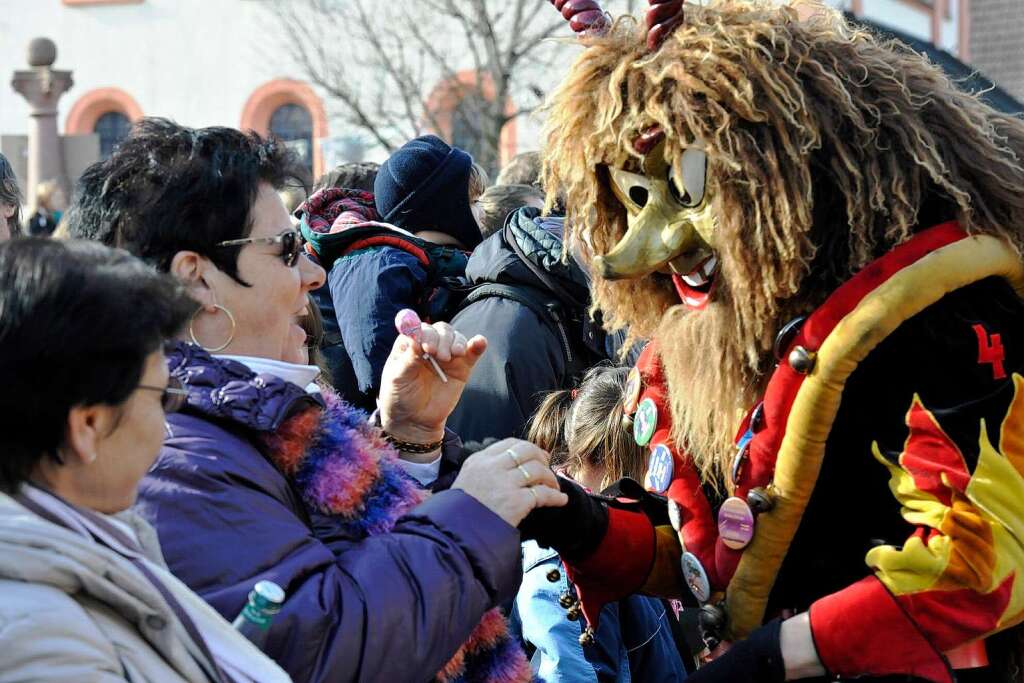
172, 397
291, 245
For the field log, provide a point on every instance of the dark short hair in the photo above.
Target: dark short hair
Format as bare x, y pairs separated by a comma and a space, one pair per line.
351, 176
498, 201
168, 188
77, 323
10, 194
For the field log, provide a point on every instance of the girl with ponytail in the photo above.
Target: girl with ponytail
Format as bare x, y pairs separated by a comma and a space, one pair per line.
582, 430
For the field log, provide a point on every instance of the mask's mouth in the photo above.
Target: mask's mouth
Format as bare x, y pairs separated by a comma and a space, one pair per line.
696, 285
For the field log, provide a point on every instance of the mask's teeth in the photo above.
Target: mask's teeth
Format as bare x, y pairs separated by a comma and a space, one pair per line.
695, 279
710, 266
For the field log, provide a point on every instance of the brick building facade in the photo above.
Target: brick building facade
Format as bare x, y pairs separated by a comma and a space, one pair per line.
997, 42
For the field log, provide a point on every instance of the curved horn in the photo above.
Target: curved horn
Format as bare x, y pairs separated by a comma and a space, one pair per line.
662, 18
584, 16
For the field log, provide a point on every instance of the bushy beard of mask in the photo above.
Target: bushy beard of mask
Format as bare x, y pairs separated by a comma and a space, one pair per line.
716, 367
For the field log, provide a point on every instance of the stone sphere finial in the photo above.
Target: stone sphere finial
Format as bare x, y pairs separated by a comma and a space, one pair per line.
42, 52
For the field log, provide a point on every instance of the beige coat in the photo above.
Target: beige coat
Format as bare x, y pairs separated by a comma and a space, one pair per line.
72, 610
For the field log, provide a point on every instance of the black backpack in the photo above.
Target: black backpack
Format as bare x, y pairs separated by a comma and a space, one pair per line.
582, 339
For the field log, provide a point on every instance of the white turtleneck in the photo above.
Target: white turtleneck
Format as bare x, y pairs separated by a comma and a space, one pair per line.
300, 375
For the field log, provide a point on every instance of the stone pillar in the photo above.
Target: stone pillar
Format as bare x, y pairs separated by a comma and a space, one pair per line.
42, 86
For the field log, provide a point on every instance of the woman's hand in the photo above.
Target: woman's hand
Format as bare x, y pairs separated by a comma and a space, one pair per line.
511, 478
414, 403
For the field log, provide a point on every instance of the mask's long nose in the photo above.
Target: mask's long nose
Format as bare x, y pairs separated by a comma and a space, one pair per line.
651, 241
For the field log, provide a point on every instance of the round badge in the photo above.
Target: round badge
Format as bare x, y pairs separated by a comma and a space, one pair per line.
675, 514
737, 462
735, 523
645, 422
631, 394
659, 469
696, 578
757, 418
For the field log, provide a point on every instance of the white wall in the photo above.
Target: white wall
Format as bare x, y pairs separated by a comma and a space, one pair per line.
196, 61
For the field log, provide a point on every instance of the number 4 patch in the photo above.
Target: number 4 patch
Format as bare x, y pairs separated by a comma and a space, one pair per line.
990, 351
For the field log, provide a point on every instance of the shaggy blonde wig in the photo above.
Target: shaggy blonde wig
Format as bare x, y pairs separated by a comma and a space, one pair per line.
826, 146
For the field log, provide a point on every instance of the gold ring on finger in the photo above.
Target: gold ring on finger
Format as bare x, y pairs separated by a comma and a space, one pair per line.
536, 499
512, 454
526, 473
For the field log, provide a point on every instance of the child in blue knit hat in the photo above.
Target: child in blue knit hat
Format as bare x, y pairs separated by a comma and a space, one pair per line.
424, 222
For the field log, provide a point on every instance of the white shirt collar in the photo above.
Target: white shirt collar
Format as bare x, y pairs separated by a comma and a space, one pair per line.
301, 375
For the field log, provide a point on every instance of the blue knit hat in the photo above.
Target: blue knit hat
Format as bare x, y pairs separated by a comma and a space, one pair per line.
425, 186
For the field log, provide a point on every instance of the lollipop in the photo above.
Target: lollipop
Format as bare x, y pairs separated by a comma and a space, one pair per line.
408, 323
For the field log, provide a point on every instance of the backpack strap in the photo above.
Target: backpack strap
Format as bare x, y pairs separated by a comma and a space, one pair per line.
547, 308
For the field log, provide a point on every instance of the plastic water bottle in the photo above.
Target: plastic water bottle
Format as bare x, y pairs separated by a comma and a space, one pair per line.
265, 600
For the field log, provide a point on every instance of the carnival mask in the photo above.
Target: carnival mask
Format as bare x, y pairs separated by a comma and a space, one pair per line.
670, 224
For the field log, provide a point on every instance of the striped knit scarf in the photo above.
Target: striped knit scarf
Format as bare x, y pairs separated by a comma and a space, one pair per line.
344, 468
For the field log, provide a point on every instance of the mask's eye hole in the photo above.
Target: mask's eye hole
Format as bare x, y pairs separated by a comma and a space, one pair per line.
632, 189
689, 190
639, 195
673, 188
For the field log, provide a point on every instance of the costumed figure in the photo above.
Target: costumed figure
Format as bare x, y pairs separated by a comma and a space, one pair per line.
823, 237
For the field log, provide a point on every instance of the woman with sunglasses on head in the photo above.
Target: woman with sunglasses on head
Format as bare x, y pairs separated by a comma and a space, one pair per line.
85, 593
261, 478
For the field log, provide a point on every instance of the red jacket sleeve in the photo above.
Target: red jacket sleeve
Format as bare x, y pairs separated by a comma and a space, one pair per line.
958, 578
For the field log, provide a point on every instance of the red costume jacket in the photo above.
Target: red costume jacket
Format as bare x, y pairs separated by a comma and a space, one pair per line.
884, 467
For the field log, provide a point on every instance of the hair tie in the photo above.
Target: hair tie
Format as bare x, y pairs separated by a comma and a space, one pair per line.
573, 394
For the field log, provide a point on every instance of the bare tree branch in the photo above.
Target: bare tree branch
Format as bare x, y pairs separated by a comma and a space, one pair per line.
392, 70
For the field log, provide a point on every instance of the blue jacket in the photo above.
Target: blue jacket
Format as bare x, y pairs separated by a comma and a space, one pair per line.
391, 607
633, 641
368, 288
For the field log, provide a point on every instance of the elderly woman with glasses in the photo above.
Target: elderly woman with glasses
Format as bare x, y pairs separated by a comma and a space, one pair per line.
85, 593
264, 476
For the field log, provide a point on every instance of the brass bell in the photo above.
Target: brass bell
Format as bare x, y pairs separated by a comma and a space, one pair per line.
802, 360
566, 600
712, 620
587, 637
760, 500
554, 575
573, 613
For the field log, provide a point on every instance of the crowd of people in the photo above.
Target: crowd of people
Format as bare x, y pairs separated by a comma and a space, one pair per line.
240, 407
667, 409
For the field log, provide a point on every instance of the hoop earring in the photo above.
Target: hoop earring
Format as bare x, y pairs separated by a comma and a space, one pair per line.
192, 332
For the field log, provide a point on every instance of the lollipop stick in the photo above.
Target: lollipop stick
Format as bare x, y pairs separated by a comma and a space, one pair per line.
407, 322
437, 368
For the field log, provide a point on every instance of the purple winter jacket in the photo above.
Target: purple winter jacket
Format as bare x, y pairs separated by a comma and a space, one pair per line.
391, 607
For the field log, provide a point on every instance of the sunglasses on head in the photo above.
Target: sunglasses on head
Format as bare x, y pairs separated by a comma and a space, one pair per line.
291, 245
172, 397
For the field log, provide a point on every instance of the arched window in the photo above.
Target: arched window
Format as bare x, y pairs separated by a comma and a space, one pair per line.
461, 108
293, 124
112, 127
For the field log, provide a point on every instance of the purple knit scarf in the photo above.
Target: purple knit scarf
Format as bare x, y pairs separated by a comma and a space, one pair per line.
343, 467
